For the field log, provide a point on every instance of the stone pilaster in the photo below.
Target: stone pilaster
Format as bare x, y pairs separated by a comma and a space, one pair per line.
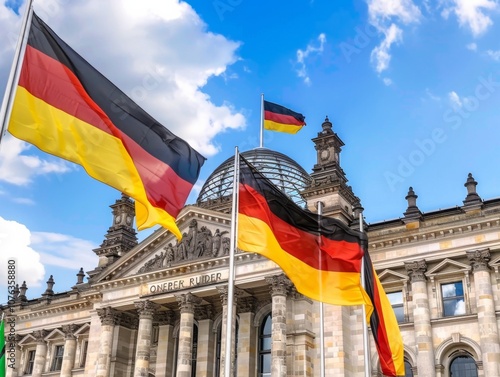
280, 286
40, 353
68, 362
187, 303
247, 337
488, 328
223, 291
109, 318
302, 334
165, 351
13, 357
146, 309
422, 319
206, 341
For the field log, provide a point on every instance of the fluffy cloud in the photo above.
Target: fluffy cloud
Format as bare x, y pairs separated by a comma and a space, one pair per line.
18, 167
388, 16
302, 56
15, 240
471, 13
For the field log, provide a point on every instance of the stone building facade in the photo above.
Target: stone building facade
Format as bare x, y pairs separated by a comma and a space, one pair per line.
158, 307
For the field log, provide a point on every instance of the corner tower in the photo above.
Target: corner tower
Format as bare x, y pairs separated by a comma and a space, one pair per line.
329, 183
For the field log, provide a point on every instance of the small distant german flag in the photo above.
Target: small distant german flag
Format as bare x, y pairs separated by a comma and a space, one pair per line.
281, 119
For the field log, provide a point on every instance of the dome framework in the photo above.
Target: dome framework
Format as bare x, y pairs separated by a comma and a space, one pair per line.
283, 171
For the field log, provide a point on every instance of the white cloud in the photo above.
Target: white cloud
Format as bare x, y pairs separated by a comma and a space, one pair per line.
388, 16
16, 245
302, 56
455, 99
432, 96
472, 47
495, 55
471, 14
387, 81
18, 167
159, 52
63, 250
380, 55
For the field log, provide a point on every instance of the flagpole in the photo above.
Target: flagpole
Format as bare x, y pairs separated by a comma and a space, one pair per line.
366, 339
262, 120
15, 69
321, 306
230, 282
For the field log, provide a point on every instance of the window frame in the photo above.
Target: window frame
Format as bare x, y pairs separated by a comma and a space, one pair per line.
27, 363
57, 359
260, 351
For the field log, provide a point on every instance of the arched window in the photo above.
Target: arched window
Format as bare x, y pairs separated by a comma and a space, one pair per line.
463, 366
408, 370
265, 347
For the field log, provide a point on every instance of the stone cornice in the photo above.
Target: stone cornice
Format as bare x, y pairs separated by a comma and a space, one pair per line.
47, 310
177, 271
403, 237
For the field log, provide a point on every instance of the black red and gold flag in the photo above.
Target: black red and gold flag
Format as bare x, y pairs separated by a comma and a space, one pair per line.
281, 119
67, 108
384, 324
320, 255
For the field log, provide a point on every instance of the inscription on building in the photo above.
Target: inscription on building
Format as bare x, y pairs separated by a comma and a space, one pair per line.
184, 283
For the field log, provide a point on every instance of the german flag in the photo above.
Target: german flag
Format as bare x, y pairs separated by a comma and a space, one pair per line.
281, 119
3, 364
384, 324
320, 255
67, 108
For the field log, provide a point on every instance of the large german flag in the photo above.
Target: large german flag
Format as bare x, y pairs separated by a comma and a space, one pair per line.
320, 255
279, 118
67, 108
384, 325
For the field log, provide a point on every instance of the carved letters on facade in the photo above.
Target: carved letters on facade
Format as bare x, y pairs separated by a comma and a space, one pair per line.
197, 243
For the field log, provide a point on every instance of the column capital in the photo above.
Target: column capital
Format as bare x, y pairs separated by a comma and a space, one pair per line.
146, 308
69, 331
279, 284
187, 302
479, 259
416, 270
224, 292
40, 335
109, 316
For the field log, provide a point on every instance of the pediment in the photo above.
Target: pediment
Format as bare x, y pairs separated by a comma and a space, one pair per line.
54, 334
84, 329
28, 339
448, 266
205, 236
390, 276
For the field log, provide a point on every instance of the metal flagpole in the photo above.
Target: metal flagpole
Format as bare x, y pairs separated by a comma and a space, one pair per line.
262, 120
15, 70
321, 307
232, 250
366, 339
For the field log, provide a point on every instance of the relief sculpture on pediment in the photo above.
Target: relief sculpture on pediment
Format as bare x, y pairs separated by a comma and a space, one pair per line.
197, 243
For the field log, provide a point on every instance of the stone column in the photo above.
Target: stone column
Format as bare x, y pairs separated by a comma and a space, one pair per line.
488, 328
280, 286
68, 362
40, 353
223, 291
146, 309
247, 339
165, 351
187, 304
421, 318
13, 356
109, 318
302, 334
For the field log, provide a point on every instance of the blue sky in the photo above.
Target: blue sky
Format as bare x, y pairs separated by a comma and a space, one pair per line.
412, 88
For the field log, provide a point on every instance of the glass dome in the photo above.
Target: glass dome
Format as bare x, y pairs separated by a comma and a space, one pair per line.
284, 172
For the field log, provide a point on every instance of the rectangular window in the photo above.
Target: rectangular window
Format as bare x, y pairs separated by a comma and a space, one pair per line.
453, 298
396, 300
30, 362
58, 358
